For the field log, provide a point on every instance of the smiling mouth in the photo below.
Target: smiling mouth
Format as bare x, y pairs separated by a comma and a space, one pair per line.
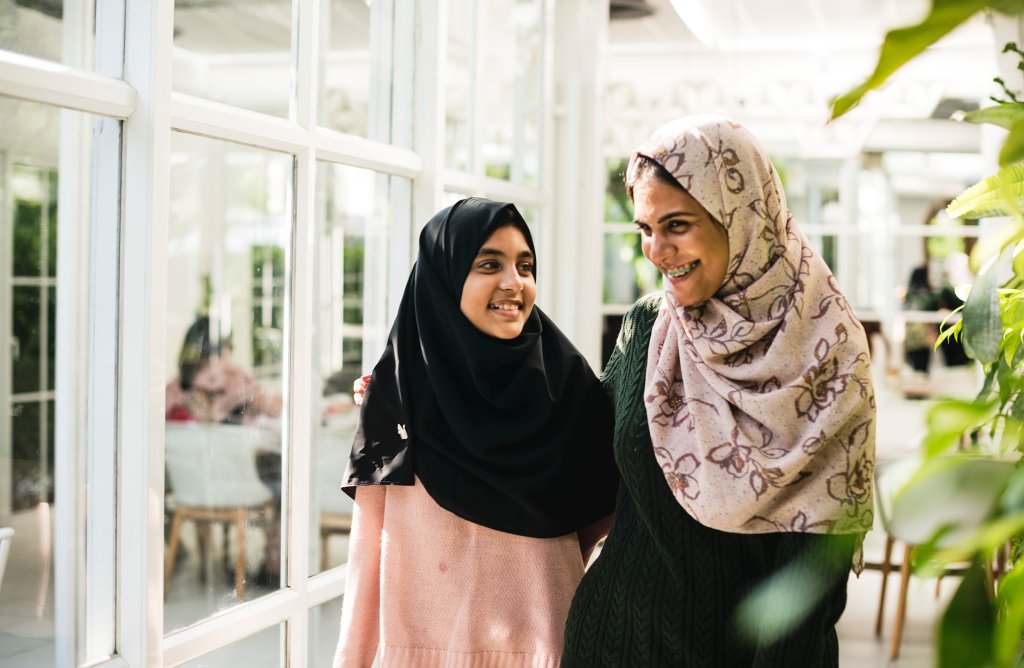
506, 308
683, 270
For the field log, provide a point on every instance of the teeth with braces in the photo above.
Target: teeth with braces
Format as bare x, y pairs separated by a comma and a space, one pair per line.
682, 271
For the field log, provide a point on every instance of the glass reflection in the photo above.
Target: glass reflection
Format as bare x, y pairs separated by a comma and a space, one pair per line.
510, 50
348, 83
458, 85
352, 227
36, 28
228, 236
627, 273
324, 622
235, 52
30, 161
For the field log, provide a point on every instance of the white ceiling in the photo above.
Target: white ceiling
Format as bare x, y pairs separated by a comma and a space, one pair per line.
776, 64
759, 25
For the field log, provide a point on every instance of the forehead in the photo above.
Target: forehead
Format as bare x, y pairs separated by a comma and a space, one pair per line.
652, 197
508, 239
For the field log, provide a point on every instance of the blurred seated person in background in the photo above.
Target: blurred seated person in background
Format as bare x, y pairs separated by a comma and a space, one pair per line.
211, 388
920, 337
956, 273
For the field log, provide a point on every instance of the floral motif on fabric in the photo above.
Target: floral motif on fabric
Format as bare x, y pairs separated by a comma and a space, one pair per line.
822, 382
768, 422
673, 407
679, 473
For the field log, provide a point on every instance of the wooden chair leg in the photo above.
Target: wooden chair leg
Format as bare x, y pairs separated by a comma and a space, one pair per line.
172, 547
203, 541
886, 569
240, 559
901, 608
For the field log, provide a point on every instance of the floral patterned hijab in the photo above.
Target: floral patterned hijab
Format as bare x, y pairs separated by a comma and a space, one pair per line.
759, 400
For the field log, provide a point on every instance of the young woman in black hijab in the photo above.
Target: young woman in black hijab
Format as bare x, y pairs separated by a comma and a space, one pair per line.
482, 468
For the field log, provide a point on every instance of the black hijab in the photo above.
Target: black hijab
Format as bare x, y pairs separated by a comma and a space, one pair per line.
515, 434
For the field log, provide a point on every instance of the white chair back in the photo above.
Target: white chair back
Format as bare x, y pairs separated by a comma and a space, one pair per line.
6, 535
214, 465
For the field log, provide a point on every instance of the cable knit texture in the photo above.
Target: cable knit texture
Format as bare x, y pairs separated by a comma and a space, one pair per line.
664, 590
433, 589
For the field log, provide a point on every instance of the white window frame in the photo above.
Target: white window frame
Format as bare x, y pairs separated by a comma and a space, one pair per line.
115, 422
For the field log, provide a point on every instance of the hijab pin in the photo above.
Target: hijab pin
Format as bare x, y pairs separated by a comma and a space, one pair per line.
402, 433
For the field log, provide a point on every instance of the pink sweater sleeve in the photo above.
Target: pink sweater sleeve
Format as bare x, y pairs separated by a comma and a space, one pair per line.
360, 612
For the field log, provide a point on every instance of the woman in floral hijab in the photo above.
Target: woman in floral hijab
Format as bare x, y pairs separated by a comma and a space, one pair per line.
745, 420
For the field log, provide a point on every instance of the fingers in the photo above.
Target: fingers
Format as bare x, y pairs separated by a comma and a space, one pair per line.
359, 388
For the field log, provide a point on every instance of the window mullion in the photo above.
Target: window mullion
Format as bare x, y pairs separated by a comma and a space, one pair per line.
298, 423
143, 300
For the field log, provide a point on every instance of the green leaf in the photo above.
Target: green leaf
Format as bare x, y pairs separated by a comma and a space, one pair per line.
967, 629
992, 243
903, 44
1008, 6
983, 323
997, 195
948, 420
1004, 115
947, 330
1010, 625
1012, 500
1013, 145
989, 536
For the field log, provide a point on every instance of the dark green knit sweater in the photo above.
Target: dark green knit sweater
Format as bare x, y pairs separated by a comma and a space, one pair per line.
665, 588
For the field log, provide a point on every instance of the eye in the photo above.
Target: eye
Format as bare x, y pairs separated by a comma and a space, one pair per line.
526, 267
488, 265
679, 225
643, 229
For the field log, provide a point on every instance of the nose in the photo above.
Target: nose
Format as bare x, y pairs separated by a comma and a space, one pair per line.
511, 280
659, 247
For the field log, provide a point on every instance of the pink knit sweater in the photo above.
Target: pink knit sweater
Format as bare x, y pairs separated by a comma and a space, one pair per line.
432, 589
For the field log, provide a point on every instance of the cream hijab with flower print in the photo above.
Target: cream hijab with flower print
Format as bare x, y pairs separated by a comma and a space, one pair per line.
759, 401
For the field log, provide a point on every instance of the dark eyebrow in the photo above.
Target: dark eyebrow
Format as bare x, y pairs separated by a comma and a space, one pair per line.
497, 253
669, 216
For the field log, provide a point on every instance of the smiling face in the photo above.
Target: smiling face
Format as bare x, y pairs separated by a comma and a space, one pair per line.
500, 290
682, 240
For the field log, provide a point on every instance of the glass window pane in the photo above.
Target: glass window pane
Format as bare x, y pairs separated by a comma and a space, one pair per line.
36, 28
458, 88
30, 159
353, 224
617, 206
235, 52
26, 326
324, 622
261, 650
627, 273
229, 235
349, 89
510, 51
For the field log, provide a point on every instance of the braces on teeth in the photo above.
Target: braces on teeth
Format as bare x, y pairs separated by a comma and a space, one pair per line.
682, 270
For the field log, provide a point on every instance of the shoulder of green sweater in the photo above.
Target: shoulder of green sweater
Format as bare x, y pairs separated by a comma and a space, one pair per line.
631, 344
641, 315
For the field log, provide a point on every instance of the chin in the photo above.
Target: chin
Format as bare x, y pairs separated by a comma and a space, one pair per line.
689, 300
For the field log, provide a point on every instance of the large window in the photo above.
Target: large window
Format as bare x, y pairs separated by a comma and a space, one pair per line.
52, 204
209, 211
